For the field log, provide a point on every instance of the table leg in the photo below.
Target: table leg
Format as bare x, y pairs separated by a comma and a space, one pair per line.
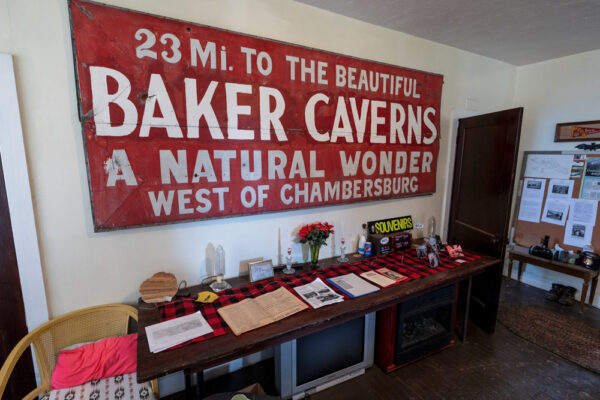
510, 267
593, 291
584, 290
463, 334
199, 385
189, 392
521, 266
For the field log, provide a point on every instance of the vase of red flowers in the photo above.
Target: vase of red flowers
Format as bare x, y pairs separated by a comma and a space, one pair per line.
315, 235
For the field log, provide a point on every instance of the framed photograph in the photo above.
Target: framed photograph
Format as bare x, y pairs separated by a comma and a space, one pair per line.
577, 131
261, 270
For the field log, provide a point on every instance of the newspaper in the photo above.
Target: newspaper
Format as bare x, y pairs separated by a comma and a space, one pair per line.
318, 294
170, 333
253, 313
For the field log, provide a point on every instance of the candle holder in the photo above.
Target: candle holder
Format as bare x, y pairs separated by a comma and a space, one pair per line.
342, 257
288, 270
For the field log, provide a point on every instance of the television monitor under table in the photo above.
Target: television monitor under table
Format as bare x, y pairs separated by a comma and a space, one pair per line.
322, 359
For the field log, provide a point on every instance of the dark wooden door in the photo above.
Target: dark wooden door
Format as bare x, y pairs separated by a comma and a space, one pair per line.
484, 175
12, 311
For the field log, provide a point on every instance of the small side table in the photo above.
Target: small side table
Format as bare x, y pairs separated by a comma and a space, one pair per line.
522, 257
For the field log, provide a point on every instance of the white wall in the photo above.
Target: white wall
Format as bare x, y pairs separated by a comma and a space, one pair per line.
562, 90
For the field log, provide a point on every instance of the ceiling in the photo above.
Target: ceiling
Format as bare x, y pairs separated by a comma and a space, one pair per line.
518, 32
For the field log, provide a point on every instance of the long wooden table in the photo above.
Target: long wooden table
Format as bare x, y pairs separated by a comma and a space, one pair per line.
199, 356
521, 255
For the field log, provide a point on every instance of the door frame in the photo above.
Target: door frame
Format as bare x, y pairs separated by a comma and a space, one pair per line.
20, 203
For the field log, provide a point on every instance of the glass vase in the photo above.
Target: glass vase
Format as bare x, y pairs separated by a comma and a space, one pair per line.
314, 254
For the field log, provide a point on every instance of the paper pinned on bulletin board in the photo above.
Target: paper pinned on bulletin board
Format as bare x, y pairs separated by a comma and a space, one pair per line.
578, 234
532, 199
590, 187
549, 166
583, 211
558, 201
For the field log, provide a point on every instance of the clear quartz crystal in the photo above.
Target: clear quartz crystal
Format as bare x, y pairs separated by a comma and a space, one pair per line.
431, 229
219, 272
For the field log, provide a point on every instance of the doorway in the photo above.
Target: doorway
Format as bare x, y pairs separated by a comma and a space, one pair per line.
12, 310
20, 256
484, 174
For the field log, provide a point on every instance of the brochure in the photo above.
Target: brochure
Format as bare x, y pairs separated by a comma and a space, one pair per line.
352, 285
392, 274
377, 278
318, 294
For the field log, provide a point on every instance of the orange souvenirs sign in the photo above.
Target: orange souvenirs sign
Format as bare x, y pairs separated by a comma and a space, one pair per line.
184, 122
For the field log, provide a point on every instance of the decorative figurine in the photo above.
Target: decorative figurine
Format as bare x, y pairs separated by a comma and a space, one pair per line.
342, 257
288, 270
422, 251
433, 256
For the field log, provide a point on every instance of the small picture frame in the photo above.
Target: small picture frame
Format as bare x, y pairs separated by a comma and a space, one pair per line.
260, 270
577, 131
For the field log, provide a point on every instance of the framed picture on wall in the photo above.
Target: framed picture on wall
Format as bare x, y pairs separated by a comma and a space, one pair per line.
577, 131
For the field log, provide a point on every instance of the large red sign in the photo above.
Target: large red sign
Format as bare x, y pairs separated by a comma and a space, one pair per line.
186, 122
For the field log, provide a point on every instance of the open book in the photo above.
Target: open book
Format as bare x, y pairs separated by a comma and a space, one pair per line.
250, 314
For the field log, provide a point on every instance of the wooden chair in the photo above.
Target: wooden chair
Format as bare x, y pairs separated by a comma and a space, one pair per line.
81, 326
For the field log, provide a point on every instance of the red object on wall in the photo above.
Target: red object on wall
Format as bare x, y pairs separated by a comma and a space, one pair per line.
185, 122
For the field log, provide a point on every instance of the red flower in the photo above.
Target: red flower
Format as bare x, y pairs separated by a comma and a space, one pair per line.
315, 234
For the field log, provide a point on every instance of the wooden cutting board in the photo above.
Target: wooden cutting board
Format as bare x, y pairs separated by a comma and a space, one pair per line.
158, 287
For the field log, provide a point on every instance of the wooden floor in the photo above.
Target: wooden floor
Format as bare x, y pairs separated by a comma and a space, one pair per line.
486, 366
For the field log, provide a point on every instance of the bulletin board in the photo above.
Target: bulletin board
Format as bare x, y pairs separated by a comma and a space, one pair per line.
585, 174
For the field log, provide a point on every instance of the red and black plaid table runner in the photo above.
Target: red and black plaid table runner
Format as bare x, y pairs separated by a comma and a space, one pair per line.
405, 263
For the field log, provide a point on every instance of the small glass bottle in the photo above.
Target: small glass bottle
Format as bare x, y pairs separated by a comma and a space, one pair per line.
362, 240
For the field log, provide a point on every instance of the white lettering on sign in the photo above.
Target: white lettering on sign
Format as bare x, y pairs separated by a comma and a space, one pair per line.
317, 192
162, 201
309, 117
118, 168
157, 95
172, 55
342, 130
101, 100
196, 110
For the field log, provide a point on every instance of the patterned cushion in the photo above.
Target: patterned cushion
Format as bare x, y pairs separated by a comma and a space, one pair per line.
120, 387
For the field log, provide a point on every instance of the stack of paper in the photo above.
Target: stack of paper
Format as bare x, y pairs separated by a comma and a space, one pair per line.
170, 333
